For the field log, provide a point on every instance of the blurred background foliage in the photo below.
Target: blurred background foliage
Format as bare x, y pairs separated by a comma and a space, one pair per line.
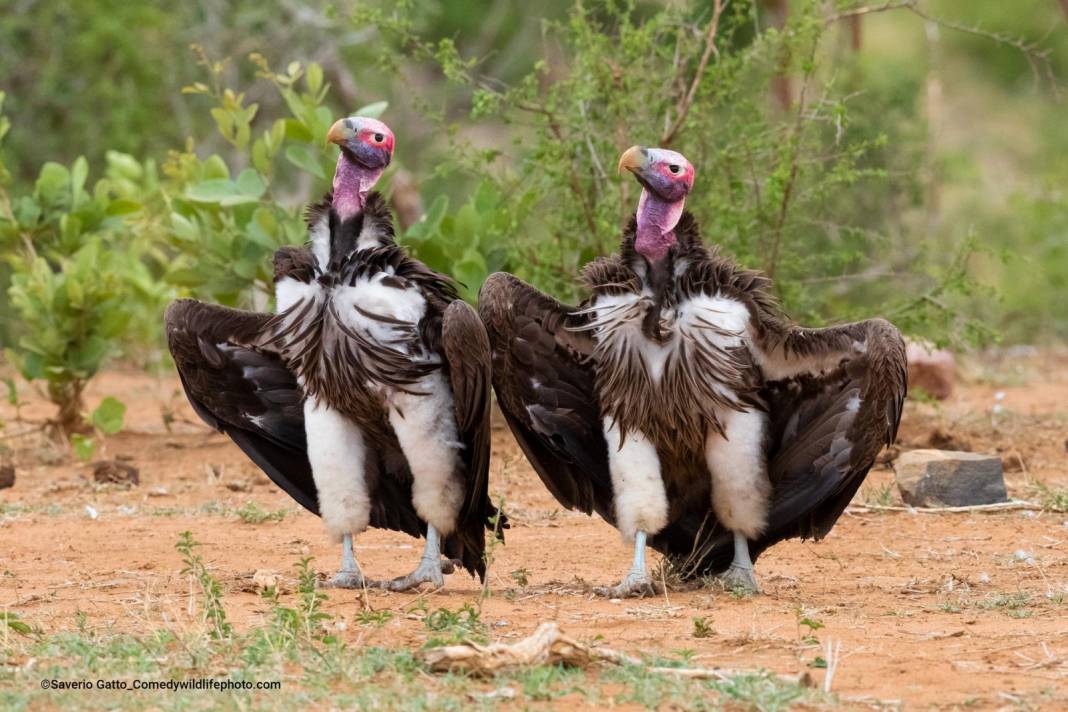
905, 158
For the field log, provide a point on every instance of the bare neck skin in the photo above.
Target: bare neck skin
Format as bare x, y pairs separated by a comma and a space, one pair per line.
352, 183
657, 219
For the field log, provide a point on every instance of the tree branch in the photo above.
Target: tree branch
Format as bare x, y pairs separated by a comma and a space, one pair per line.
685, 102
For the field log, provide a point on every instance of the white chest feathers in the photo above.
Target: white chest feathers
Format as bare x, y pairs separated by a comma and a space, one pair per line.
715, 323
386, 314
383, 314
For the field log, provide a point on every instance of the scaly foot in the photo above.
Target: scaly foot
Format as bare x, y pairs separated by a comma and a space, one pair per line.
739, 578
428, 571
635, 584
346, 579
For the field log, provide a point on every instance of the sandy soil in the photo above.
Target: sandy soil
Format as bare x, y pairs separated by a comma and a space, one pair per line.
930, 610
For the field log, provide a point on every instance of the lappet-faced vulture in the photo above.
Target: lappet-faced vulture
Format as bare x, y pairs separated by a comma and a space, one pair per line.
680, 403
366, 396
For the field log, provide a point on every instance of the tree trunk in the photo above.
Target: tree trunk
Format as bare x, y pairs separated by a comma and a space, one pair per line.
782, 92
67, 396
855, 36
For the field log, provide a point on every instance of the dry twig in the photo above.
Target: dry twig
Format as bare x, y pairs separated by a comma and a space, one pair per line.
996, 507
549, 646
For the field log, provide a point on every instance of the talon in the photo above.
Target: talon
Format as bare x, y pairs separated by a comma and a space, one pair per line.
346, 579
739, 578
427, 572
634, 585
449, 566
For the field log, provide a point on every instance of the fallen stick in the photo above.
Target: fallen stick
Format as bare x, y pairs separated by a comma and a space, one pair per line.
996, 507
549, 646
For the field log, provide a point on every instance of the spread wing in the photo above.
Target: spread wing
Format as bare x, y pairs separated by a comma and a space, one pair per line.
243, 389
544, 382
828, 424
834, 399
467, 353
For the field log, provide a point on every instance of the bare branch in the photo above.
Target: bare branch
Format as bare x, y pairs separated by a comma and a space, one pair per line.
683, 107
1036, 57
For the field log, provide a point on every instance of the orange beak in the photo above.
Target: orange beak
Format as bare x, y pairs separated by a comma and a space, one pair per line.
632, 160
340, 132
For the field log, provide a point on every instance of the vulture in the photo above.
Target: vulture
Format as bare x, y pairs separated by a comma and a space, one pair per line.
366, 395
681, 404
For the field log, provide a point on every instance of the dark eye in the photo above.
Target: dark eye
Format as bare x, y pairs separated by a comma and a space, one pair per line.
379, 138
673, 168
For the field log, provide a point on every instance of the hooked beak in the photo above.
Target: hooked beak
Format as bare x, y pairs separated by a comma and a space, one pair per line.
634, 159
340, 133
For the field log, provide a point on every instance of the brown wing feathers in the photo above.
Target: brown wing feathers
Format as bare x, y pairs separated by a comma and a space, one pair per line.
242, 390
544, 381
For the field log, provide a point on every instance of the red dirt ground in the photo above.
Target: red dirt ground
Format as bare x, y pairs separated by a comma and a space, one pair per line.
939, 610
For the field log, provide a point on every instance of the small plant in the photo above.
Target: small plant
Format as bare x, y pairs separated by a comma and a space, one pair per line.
521, 577
949, 607
702, 628
455, 626
491, 547
805, 620
1014, 605
107, 419
1052, 499
252, 513
375, 619
211, 592
880, 495
305, 621
11, 621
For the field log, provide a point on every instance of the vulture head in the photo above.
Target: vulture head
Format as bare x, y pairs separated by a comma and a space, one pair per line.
666, 174
667, 178
366, 150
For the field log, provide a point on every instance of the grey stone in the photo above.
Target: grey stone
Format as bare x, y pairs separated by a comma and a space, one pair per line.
945, 478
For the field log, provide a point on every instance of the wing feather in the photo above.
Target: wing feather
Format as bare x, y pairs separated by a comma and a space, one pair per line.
544, 382
243, 389
467, 353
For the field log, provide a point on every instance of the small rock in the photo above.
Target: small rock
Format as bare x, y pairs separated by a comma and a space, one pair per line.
502, 693
945, 478
1022, 555
932, 370
238, 486
984, 577
264, 579
90, 511
116, 472
7, 476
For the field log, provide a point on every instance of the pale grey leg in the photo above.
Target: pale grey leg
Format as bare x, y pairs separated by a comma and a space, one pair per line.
350, 575
741, 575
637, 582
430, 570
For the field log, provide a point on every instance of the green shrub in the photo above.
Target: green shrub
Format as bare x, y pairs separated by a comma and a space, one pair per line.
80, 287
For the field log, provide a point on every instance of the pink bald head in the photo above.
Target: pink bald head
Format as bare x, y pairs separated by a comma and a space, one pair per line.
666, 178
366, 150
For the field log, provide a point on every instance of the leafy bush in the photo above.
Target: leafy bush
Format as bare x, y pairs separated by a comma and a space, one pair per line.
225, 224
93, 270
80, 287
803, 182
